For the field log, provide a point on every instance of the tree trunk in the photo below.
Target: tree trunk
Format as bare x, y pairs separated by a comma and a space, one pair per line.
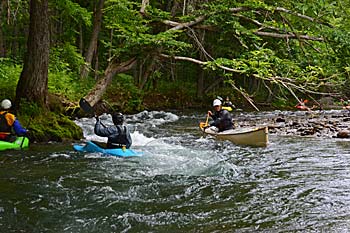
201, 72
113, 68
200, 82
3, 6
33, 82
93, 42
147, 73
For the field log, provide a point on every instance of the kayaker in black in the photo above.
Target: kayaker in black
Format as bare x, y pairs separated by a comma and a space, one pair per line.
118, 134
9, 123
222, 118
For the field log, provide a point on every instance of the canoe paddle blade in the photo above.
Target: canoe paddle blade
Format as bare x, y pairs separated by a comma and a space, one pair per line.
86, 106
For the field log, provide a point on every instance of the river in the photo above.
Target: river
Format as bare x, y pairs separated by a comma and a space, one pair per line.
184, 182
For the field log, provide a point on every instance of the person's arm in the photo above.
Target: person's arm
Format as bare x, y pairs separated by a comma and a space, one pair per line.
128, 137
103, 131
216, 118
226, 116
19, 130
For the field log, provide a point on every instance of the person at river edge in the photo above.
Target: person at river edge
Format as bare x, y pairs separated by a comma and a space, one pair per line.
9, 123
228, 105
222, 118
118, 134
345, 103
301, 105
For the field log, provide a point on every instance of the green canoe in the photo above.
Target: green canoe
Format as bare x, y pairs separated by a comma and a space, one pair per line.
21, 142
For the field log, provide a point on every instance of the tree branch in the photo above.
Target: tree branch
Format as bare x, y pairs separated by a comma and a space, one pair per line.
198, 62
288, 36
302, 16
144, 4
179, 26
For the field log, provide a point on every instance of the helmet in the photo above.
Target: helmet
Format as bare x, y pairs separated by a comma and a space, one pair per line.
217, 102
6, 104
117, 118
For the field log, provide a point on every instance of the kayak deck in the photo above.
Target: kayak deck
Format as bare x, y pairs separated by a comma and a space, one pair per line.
91, 147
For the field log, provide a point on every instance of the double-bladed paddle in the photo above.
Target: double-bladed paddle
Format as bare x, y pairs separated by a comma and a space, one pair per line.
88, 108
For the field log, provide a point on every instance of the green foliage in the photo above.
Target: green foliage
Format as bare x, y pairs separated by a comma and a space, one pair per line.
9, 75
224, 38
124, 95
134, 34
69, 85
281, 103
65, 59
73, 11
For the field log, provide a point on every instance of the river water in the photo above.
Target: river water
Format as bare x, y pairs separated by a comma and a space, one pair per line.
183, 183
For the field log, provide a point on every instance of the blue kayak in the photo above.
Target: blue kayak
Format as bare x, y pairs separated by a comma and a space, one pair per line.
93, 148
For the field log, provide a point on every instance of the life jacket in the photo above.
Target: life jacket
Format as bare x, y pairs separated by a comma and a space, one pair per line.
119, 141
225, 122
4, 125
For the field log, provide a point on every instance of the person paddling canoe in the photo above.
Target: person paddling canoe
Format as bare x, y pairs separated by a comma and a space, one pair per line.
118, 134
222, 118
9, 123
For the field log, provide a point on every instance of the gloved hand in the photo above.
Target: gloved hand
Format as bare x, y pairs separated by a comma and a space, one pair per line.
205, 127
29, 134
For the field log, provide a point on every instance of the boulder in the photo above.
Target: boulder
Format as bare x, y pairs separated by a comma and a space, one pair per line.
343, 134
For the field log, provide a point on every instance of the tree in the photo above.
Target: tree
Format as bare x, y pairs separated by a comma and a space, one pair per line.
33, 82
92, 49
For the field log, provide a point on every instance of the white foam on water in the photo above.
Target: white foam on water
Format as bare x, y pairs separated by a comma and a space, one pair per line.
162, 155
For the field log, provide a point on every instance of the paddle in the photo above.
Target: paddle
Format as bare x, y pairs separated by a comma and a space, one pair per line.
87, 108
27, 126
204, 124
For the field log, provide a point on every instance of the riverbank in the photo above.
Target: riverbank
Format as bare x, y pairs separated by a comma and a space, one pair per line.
320, 123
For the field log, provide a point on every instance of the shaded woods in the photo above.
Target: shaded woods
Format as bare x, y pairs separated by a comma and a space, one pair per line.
134, 55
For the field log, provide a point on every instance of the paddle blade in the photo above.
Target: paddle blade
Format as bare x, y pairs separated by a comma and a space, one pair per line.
202, 125
86, 106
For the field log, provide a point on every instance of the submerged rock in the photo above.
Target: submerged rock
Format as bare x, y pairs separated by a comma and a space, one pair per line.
343, 134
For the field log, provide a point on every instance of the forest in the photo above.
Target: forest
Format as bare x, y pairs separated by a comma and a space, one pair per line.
135, 55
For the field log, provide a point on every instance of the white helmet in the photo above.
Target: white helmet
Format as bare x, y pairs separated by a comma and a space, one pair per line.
6, 104
217, 102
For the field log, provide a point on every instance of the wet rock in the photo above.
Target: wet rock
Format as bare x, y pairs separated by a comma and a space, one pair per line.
343, 134
321, 124
307, 132
279, 119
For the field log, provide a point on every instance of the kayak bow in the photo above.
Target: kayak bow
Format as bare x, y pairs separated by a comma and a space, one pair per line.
20, 143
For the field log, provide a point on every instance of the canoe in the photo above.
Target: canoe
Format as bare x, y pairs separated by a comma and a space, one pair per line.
257, 136
91, 147
20, 143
